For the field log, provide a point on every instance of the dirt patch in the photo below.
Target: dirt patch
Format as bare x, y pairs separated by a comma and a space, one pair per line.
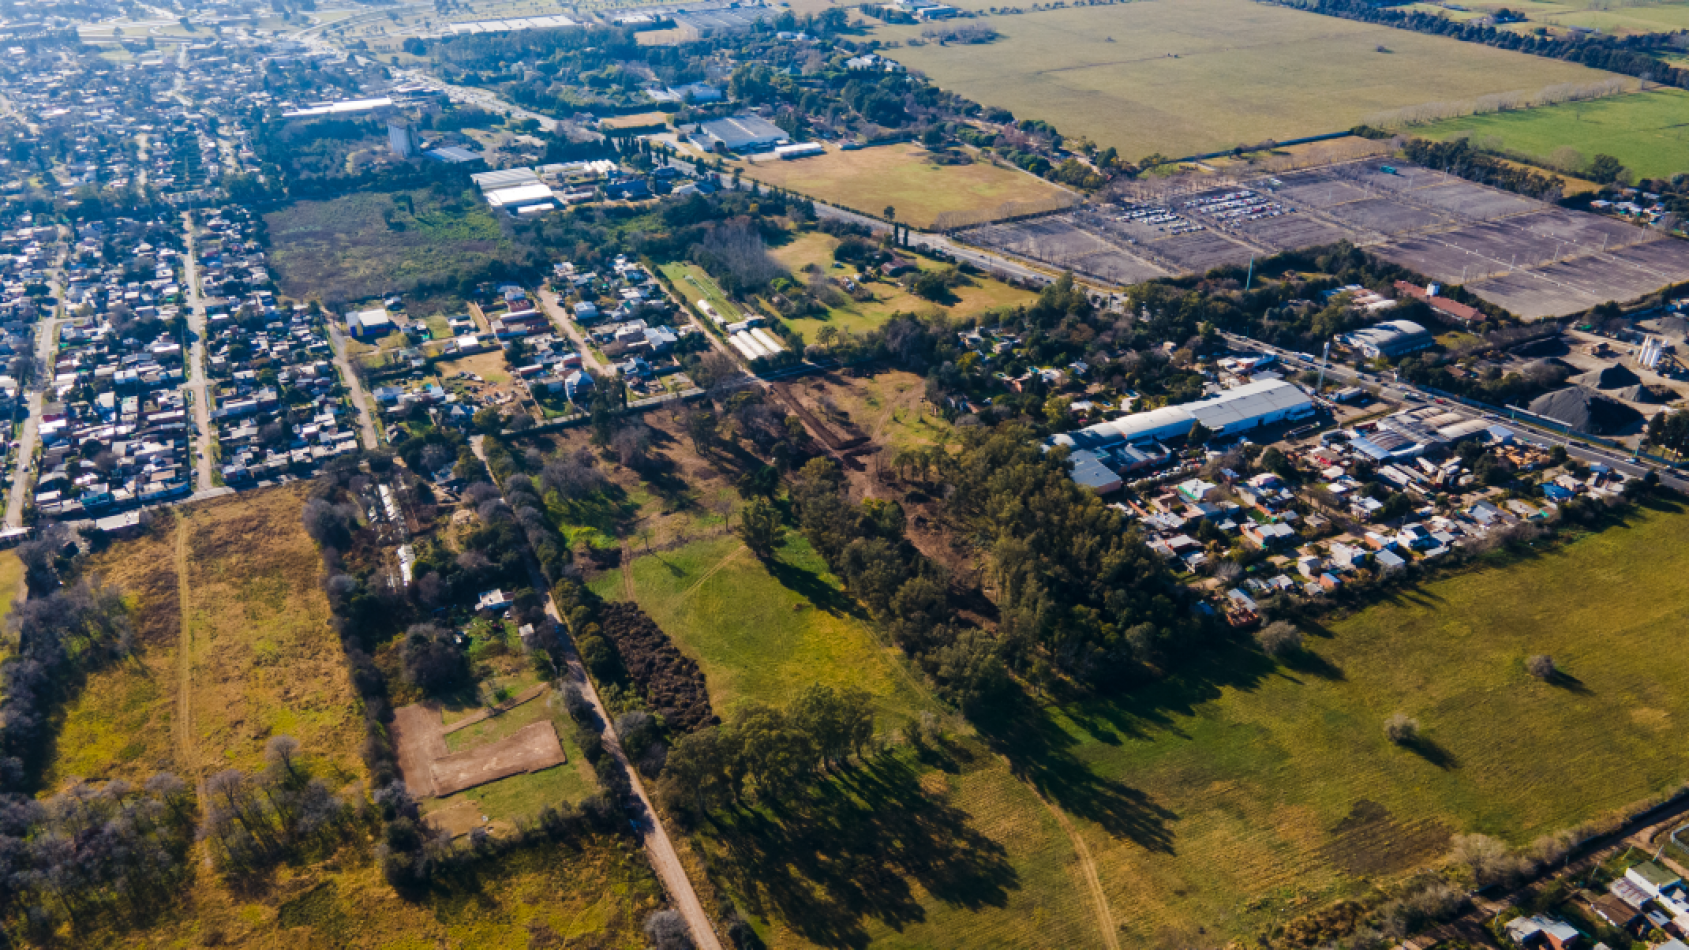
1370, 841
463, 816
420, 741
483, 714
529, 749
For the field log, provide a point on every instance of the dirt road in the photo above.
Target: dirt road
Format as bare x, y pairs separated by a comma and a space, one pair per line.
354, 386
658, 848
196, 363
46, 349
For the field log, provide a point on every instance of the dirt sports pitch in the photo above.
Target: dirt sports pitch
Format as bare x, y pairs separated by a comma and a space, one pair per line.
1193, 76
430, 770
1532, 258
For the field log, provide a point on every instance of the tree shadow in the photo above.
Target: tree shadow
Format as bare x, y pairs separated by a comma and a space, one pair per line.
1041, 753
1569, 683
1311, 663
853, 849
1431, 751
810, 586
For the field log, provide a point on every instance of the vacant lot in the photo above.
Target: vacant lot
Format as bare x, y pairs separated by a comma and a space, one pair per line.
371, 243
815, 248
1200, 75
236, 581
869, 179
1646, 130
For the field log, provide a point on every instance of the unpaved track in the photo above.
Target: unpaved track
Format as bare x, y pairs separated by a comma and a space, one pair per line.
182, 727
1088, 868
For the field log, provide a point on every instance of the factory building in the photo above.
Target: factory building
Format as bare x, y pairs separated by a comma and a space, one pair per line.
1389, 339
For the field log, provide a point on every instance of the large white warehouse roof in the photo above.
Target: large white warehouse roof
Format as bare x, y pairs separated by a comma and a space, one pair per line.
1232, 411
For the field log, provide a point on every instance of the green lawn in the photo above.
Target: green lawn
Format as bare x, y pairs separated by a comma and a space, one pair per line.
815, 247
695, 285
1648, 131
1194, 76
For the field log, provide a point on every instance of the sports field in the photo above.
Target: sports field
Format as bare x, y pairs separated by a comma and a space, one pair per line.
1194, 76
1647, 131
816, 248
869, 179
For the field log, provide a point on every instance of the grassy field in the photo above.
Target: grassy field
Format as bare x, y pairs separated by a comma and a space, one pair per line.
1646, 130
950, 850
1233, 797
262, 659
11, 581
1200, 75
869, 179
695, 285
816, 248
765, 633
361, 245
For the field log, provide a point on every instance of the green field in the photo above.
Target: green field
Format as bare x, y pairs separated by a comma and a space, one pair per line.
870, 179
361, 245
816, 248
1648, 131
1246, 792
1181, 77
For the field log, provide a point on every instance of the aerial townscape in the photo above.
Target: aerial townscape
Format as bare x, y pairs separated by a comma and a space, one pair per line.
821, 475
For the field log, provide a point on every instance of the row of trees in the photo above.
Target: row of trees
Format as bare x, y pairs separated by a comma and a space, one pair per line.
766, 754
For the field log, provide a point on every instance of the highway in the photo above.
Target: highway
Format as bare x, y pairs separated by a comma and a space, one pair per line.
1401, 391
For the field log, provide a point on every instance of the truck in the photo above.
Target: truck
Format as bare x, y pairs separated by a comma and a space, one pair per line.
1389, 170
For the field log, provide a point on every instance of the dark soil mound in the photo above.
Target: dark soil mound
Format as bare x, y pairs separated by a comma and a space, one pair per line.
1586, 410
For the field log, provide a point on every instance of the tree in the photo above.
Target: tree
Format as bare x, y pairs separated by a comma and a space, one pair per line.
432, 661
1540, 666
1401, 728
1279, 639
667, 930
1607, 170
760, 528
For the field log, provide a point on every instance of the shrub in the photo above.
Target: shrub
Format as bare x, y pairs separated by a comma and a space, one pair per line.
1540, 666
1401, 728
1279, 638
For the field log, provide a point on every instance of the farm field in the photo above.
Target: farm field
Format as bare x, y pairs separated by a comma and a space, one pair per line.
869, 179
816, 248
361, 245
1201, 75
1645, 131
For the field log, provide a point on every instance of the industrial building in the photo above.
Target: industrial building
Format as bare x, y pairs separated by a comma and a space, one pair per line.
522, 198
739, 133
1389, 339
1230, 413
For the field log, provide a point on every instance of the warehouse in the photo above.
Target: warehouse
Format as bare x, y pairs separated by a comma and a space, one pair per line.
521, 197
1231, 412
739, 133
1389, 339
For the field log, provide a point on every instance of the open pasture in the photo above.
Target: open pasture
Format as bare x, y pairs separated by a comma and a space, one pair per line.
1194, 76
1646, 131
900, 176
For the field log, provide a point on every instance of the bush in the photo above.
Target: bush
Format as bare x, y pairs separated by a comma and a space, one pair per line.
1279, 638
667, 930
1401, 728
1540, 666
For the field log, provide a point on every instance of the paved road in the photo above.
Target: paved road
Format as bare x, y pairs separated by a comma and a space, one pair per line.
46, 339
196, 364
354, 385
658, 848
1399, 390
